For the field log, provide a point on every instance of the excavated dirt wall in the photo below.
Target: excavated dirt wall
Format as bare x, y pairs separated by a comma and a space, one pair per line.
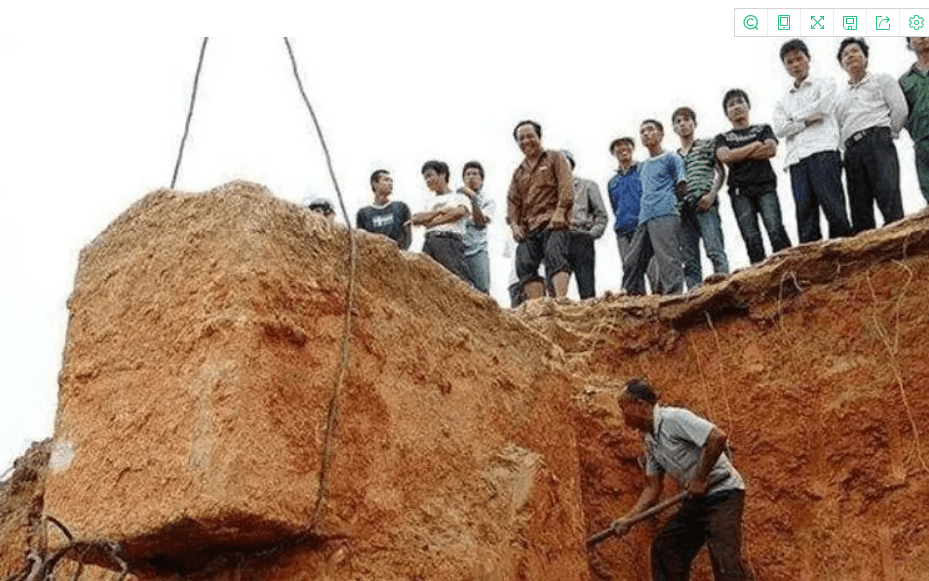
815, 364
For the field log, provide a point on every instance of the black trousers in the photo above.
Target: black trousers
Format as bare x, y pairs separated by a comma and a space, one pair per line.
714, 520
447, 250
872, 172
581, 258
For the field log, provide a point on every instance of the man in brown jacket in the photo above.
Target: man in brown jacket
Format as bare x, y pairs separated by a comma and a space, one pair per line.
538, 211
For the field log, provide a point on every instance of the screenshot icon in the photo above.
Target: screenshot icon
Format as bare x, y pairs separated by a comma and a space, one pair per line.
850, 22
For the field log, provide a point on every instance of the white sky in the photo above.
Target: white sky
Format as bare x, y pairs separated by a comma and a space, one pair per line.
90, 122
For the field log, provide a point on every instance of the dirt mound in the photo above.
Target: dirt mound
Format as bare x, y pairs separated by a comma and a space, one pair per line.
816, 365
21, 507
199, 414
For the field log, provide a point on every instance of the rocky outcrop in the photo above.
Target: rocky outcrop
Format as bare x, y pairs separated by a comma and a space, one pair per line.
206, 412
468, 442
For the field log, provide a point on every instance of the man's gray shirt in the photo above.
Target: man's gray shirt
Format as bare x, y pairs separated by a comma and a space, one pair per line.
589, 214
675, 446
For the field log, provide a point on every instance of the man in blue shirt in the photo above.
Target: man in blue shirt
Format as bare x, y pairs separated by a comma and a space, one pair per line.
625, 193
658, 231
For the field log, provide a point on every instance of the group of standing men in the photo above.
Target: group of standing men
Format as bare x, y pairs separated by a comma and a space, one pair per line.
665, 205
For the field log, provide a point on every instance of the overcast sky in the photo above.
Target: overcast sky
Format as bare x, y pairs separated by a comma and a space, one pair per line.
91, 122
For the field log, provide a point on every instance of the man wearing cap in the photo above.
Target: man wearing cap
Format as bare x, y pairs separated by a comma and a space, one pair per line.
693, 452
625, 193
871, 112
385, 217
588, 222
320, 205
538, 212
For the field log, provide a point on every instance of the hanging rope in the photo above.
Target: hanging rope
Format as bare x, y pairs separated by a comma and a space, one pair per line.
190, 113
333, 416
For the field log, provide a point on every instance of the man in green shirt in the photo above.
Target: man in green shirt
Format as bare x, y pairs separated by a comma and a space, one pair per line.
915, 85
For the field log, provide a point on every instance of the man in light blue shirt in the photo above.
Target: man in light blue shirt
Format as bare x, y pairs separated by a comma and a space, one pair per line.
658, 234
475, 236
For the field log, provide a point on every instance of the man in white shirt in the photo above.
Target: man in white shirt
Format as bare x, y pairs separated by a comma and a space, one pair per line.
804, 119
444, 221
871, 112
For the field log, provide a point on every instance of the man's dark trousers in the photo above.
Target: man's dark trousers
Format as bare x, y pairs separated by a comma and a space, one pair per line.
817, 182
872, 171
715, 520
582, 257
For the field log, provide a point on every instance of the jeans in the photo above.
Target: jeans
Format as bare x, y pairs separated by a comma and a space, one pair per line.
623, 241
747, 203
817, 183
872, 171
715, 520
479, 267
658, 238
694, 226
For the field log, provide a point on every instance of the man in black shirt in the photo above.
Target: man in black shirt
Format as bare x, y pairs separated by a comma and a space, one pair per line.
747, 149
385, 217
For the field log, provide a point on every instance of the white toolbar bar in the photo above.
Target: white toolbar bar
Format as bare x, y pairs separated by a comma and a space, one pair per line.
831, 22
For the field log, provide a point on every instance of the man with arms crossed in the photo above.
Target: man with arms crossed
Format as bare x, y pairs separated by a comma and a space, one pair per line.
747, 149
658, 231
700, 209
804, 119
539, 205
444, 221
385, 217
693, 452
871, 112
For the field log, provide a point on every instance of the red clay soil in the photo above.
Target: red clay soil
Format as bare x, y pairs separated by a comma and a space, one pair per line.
475, 443
196, 394
815, 364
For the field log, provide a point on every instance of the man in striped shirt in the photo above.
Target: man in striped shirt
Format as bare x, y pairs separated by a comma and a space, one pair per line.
700, 208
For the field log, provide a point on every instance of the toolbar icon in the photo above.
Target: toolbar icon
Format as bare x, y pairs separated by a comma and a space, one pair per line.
916, 22
817, 23
850, 22
750, 22
882, 22
783, 22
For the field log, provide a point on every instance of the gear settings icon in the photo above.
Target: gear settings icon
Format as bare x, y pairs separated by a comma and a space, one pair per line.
916, 22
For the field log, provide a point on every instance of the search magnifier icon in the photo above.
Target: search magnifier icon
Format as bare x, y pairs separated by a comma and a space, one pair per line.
750, 22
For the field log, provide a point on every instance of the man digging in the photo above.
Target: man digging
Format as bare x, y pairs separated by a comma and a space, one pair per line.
691, 450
